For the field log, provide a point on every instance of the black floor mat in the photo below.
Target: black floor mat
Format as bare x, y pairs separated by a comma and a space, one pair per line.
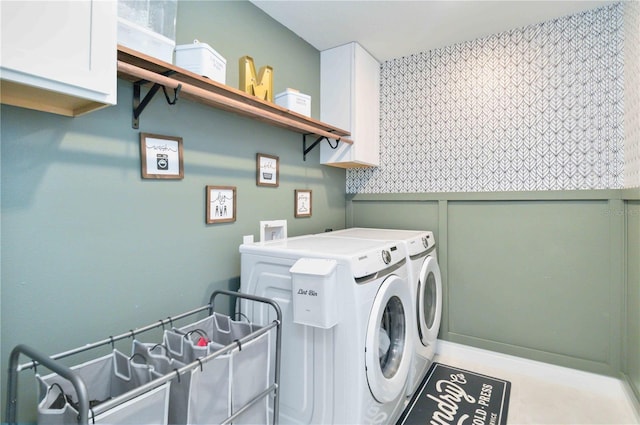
449, 395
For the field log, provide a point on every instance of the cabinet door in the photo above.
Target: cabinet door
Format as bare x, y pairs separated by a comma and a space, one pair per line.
336, 86
63, 46
366, 127
349, 99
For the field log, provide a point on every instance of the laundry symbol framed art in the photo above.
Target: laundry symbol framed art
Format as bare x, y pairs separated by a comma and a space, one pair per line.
302, 203
221, 204
161, 157
267, 170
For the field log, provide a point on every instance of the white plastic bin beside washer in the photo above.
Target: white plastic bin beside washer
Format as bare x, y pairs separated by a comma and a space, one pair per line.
314, 290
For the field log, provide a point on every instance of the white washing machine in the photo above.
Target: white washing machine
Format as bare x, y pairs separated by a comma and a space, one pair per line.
351, 366
425, 283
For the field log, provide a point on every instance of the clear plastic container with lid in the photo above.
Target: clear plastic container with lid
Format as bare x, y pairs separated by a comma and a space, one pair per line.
157, 15
148, 26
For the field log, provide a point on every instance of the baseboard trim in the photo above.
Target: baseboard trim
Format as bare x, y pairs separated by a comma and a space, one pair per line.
632, 395
574, 378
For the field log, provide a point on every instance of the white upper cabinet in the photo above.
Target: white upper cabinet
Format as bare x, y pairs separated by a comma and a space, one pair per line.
350, 99
59, 56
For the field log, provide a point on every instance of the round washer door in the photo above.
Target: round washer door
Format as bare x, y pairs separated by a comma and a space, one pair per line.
388, 352
429, 301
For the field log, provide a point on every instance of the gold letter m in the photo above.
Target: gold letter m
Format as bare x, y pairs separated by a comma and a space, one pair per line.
260, 86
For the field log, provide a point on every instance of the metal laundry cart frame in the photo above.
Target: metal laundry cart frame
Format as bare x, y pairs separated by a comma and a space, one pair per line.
81, 389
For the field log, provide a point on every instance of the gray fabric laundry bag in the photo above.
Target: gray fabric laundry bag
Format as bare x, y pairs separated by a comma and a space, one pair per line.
156, 356
220, 329
225, 384
249, 377
205, 336
209, 395
179, 347
105, 377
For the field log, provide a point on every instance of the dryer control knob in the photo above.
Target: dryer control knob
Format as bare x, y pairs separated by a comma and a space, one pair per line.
386, 256
425, 241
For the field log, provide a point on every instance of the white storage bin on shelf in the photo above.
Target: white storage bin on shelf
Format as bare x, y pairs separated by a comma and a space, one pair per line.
295, 101
226, 374
202, 59
148, 27
145, 41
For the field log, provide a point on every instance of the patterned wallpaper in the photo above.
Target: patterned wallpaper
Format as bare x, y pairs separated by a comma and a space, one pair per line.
535, 108
632, 94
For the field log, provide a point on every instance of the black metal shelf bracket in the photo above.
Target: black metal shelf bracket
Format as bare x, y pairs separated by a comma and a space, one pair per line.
306, 150
176, 92
140, 105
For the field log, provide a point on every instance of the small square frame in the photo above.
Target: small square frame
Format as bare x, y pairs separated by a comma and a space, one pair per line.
267, 170
221, 204
303, 203
161, 157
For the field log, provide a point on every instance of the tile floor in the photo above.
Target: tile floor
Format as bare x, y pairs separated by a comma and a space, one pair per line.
547, 394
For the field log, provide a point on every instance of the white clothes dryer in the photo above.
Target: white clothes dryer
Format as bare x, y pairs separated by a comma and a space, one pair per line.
425, 283
356, 370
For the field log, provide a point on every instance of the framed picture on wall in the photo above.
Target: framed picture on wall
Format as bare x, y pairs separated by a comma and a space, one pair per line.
267, 170
221, 204
161, 156
302, 203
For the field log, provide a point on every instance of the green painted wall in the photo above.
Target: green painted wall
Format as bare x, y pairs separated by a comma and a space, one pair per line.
89, 249
632, 335
400, 214
539, 275
533, 275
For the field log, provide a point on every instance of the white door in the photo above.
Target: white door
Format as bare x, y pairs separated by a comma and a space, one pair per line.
388, 349
429, 301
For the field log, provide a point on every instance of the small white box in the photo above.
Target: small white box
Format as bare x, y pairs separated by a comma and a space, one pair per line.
314, 292
201, 59
295, 101
144, 40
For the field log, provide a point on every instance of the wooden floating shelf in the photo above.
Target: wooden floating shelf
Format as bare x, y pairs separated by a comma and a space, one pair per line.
135, 67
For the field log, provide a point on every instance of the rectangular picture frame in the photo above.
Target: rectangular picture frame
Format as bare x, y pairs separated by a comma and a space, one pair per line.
303, 203
161, 157
221, 204
267, 170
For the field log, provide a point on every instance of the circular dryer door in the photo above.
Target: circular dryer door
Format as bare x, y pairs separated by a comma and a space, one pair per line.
388, 353
429, 301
